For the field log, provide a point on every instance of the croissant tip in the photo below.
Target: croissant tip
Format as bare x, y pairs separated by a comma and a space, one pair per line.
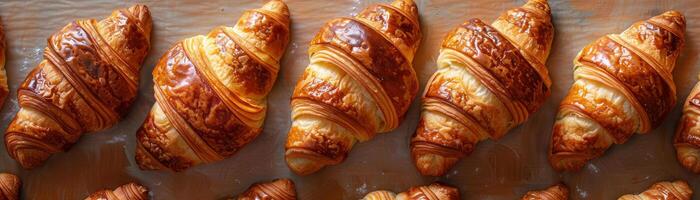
277, 6
303, 166
30, 159
672, 19
408, 7
143, 14
432, 164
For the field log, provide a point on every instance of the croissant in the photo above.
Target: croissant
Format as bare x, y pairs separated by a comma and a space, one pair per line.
130, 191
435, 191
622, 85
678, 190
9, 186
4, 90
85, 83
359, 82
211, 91
279, 189
687, 139
556, 192
490, 78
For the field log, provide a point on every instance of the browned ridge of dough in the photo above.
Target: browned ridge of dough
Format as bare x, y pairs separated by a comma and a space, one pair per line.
278, 189
85, 83
130, 191
435, 191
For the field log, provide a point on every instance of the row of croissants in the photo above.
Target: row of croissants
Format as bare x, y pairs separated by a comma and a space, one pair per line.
211, 90
284, 189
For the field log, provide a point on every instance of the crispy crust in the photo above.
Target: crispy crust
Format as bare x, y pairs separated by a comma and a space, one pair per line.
211, 91
623, 86
555, 192
359, 82
677, 190
278, 189
86, 82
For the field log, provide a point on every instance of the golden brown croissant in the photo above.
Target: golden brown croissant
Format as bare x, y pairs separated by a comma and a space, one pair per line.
687, 139
86, 82
130, 191
678, 190
556, 192
622, 85
4, 90
359, 82
279, 189
9, 186
211, 91
435, 191
490, 78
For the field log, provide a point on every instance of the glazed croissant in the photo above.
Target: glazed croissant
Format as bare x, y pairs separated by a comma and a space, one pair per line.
490, 78
622, 85
435, 191
687, 139
211, 91
4, 90
86, 82
9, 186
359, 82
279, 189
678, 190
130, 191
556, 192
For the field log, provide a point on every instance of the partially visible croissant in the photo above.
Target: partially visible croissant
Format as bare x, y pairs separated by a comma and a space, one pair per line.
279, 189
435, 191
623, 85
490, 78
678, 190
130, 191
9, 186
4, 90
687, 139
86, 82
556, 192
360, 82
211, 91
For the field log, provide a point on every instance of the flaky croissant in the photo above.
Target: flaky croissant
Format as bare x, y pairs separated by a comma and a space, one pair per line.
623, 85
687, 139
678, 190
490, 78
211, 91
359, 82
279, 189
9, 186
4, 89
556, 192
130, 191
435, 191
86, 82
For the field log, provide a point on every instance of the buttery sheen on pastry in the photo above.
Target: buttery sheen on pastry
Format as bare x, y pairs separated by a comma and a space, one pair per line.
9, 186
622, 85
278, 189
556, 192
360, 82
435, 191
4, 90
211, 91
130, 191
687, 139
678, 190
490, 78
85, 83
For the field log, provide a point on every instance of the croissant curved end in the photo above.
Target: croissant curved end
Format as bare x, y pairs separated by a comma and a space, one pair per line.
539, 4
30, 158
9, 186
143, 15
568, 161
302, 162
673, 19
277, 6
408, 7
689, 157
430, 164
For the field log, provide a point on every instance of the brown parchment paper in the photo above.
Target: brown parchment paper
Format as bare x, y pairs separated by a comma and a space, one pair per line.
503, 169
